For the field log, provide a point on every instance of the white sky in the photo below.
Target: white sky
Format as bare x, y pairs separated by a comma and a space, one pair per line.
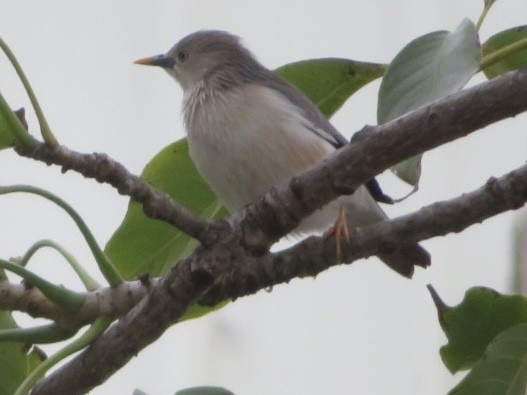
354, 329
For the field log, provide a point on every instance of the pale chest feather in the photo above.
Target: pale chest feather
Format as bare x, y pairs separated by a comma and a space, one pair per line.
246, 140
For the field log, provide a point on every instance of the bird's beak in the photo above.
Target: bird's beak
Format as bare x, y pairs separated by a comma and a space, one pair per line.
160, 60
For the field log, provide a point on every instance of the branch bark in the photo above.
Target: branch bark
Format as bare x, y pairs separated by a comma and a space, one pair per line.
101, 167
315, 254
210, 277
110, 302
307, 258
233, 259
427, 127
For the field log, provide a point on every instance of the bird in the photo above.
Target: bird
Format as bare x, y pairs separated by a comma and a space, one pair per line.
249, 130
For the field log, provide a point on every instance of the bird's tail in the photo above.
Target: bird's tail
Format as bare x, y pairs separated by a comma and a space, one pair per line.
405, 258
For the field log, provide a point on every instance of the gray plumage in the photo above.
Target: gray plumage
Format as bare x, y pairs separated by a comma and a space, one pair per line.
248, 130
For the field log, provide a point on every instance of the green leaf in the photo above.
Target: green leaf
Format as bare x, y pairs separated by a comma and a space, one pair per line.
7, 134
471, 325
142, 245
145, 246
35, 358
409, 170
330, 82
7, 139
519, 265
428, 68
15, 363
11, 124
505, 51
503, 368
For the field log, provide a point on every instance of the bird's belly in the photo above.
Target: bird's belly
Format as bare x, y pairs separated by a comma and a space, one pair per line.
245, 144
248, 142
243, 164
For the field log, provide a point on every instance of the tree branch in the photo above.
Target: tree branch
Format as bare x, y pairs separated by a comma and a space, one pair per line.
378, 148
228, 265
191, 280
110, 302
315, 254
307, 258
427, 127
101, 167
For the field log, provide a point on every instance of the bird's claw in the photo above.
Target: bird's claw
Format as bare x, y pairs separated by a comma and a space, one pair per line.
340, 231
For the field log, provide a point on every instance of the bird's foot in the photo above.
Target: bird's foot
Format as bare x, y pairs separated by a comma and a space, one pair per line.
340, 231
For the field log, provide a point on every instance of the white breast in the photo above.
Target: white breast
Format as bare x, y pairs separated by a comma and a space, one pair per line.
246, 140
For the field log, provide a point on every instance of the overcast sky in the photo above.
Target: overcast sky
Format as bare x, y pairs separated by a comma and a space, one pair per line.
355, 329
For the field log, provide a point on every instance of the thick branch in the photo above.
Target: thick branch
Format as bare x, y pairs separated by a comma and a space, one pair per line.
188, 280
316, 254
281, 209
307, 258
156, 205
379, 148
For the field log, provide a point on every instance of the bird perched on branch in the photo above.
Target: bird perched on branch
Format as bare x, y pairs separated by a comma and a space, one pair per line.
249, 130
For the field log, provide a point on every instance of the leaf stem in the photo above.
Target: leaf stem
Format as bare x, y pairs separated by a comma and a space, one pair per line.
486, 9
50, 333
45, 130
59, 295
106, 267
94, 331
89, 283
20, 134
502, 53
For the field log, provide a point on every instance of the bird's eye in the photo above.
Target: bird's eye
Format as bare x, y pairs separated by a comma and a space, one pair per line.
182, 56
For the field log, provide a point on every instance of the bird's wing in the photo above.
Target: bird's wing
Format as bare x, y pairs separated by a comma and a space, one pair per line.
318, 124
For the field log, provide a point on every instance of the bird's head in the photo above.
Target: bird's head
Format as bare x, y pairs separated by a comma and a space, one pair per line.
206, 54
